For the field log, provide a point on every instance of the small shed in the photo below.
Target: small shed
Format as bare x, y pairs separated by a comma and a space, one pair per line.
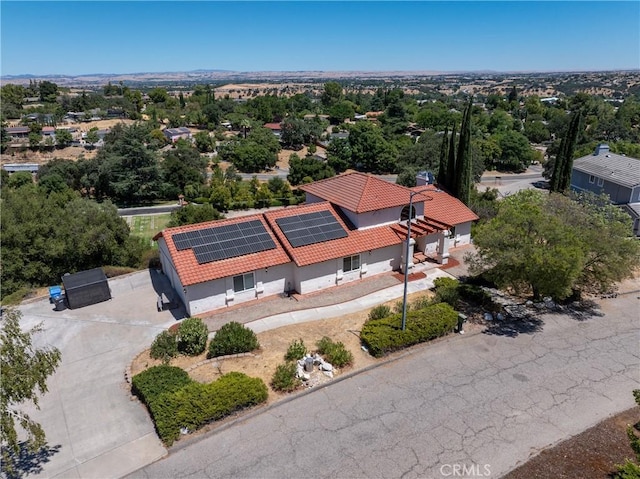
86, 287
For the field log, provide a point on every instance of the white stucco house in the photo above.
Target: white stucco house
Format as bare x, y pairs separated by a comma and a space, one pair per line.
351, 227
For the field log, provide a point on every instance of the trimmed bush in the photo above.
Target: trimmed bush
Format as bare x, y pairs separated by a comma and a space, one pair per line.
296, 351
383, 336
334, 353
379, 312
233, 338
446, 291
165, 346
192, 336
158, 380
285, 379
196, 404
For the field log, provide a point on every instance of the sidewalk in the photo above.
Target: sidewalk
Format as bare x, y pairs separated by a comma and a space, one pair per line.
270, 313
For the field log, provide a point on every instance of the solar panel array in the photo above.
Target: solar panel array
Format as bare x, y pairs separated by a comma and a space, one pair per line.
228, 241
310, 228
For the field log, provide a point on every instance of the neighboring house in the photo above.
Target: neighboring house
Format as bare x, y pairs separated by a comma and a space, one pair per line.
18, 132
175, 134
15, 167
276, 128
617, 176
352, 227
48, 131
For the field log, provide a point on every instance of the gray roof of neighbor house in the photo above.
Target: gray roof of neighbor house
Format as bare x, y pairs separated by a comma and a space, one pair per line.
177, 131
618, 169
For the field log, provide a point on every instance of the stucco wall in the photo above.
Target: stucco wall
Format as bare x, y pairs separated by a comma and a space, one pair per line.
170, 271
219, 293
329, 273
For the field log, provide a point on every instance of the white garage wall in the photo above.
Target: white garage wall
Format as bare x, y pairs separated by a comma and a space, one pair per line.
219, 293
329, 273
170, 271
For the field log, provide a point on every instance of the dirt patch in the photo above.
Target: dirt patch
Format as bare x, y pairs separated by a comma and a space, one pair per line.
594, 453
273, 345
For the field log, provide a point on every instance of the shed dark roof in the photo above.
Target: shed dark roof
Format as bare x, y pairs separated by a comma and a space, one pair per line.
83, 278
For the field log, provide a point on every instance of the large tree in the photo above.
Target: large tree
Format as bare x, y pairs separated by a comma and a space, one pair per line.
464, 171
550, 245
24, 371
561, 177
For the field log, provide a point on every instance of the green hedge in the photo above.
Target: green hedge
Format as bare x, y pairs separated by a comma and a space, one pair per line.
196, 404
382, 336
157, 380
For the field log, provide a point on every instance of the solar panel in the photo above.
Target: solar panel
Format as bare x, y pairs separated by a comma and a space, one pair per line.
310, 228
227, 241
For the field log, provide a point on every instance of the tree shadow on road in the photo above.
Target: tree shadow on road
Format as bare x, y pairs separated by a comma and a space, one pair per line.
515, 326
28, 462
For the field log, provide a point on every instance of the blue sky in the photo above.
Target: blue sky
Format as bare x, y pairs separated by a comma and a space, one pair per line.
138, 36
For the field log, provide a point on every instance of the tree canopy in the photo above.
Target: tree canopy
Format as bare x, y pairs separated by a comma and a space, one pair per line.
551, 245
24, 371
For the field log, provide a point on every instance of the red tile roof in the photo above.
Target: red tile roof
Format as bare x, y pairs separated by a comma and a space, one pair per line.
273, 126
190, 272
443, 207
356, 242
359, 192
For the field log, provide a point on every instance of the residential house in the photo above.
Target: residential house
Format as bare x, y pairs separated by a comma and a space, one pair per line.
48, 132
175, 134
18, 132
16, 167
352, 227
617, 176
276, 128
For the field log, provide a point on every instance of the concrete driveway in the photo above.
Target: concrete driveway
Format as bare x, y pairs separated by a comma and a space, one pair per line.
480, 403
93, 428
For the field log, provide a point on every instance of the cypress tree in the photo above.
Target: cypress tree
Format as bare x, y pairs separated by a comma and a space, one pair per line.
572, 137
444, 154
561, 176
450, 182
463, 162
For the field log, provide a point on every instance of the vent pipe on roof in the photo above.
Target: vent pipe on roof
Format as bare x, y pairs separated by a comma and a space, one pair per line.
601, 149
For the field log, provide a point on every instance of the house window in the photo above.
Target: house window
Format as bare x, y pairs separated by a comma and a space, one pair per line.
243, 282
351, 263
600, 181
404, 214
592, 179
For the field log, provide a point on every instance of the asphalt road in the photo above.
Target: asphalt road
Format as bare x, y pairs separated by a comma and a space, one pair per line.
484, 402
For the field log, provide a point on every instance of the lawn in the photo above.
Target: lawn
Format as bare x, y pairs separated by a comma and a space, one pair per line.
147, 226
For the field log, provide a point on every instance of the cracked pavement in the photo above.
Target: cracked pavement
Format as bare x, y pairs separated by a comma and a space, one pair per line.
486, 402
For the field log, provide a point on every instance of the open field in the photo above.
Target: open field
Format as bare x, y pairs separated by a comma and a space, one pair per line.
147, 226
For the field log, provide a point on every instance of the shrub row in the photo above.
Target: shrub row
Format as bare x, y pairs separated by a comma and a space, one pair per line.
175, 401
382, 336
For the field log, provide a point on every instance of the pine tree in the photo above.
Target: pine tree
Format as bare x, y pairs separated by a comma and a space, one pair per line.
444, 154
463, 162
450, 182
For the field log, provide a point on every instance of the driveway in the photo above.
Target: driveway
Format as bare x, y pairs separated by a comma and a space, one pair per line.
484, 402
94, 429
